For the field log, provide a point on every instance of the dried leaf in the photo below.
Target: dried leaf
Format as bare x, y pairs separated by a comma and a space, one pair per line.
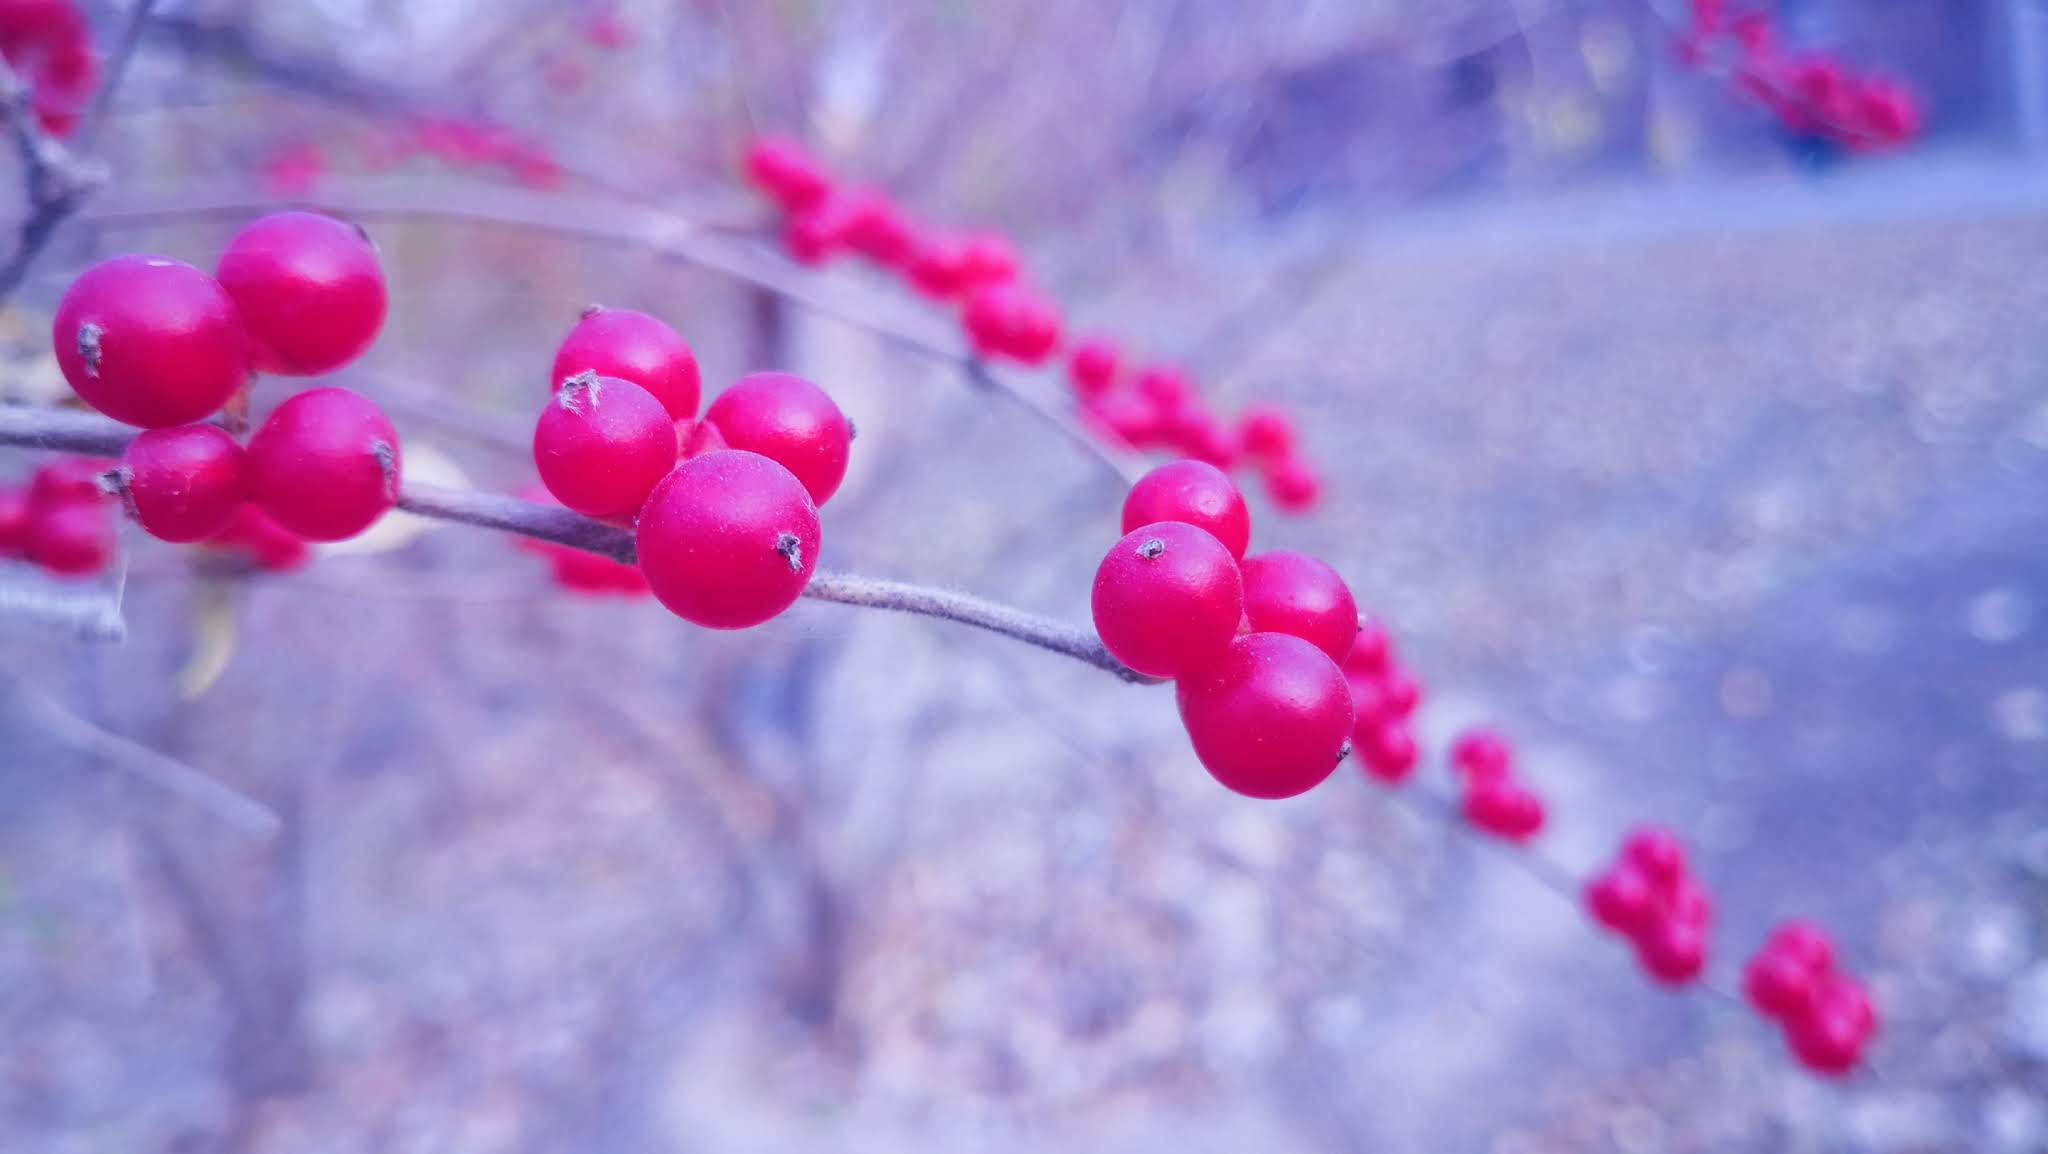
213, 637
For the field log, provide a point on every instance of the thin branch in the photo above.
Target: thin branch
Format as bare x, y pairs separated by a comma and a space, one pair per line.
116, 70
57, 182
88, 433
160, 770
88, 616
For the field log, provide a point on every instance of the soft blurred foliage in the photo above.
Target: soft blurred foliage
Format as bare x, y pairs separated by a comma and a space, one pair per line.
1716, 482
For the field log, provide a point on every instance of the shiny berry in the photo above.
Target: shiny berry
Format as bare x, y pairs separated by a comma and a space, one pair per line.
309, 288
1092, 367
72, 539
150, 341
1270, 718
1288, 592
602, 443
1503, 808
632, 346
1294, 485
728, 540
1266, 433
790, 421
325, 464
183, 483
1480, 754
1193, 493
1384, 746
1167, 599
1623, 900
1672, 951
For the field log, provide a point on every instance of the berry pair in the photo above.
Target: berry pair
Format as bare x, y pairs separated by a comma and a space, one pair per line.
47, 44
1251, 645
1649, 897
62, 522
1826, 1015
1383, 699
1495, 802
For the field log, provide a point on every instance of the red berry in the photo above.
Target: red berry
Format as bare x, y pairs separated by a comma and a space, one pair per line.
696, 438
1779, 985
1125, 417
257, 535
1829, 1038
790, 421
1193, 493
71, 539
1672, 951
1623, 900
1202, 437
1481, 754
325, 464
812, 236
728, 540
14, 517
1092, 367
1689, 902
1007, 319
1288, 592
1385, 747
67, 480
938, 267
874, 228
1266, 433
1294, 485
1166, 386
782, 169
1270, 718
1503, 808
1658, 854
1403, 692
184, 483
602, 443
1804, 943
309, 288
1368, 699
1167, 599
632, 346
990, 259
150, 341
1372, 651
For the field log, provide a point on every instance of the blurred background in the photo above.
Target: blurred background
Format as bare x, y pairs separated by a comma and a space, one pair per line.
1703, 449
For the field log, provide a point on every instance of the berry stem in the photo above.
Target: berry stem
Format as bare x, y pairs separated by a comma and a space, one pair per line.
42, 428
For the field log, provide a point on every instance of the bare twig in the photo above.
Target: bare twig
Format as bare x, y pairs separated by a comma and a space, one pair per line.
90, 616
164, 772
116, 70
88, 433
57, 181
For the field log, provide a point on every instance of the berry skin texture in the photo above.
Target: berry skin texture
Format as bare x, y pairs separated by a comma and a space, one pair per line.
728, 540
150, 341
1196, 494
790, 421
1271, 718
636, 347
184, 483
601, 445
310, 291
1167, 600
72, 539
1288, 592
325, 464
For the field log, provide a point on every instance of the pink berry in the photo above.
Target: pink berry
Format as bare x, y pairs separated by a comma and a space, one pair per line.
1007, 319
1167, 386
1780, 985
1125, 417
1829, 1038
938, 267
14, 518
1202, 437
875, 229
1167, 599
632, 346
790, 421
309, 288
989, 259
1623, 900
602, 443
1288, 592
696, 438
1384, 746
184, 483
1503, 808
1294, 485
1403, 692
1804, 943
72, 539
1690, 902
325, 464
1480, 754
68, 479
150, 341
1672, 951
257, 535
1266, 433
782, 169
1092, 367
728, 540
1270, 718
813, 236
1195, 494
1372, 651
1657, 853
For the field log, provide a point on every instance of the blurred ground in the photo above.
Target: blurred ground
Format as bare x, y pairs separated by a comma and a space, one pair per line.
1734, 524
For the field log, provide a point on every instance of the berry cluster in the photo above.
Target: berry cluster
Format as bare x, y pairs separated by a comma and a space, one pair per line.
62, 521
1146, 407
724, 508
1495, 802
1383, 699
157, 343
296, 167
1826, 1015
1650, 897
1814, 95
1253, 641
48, 46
